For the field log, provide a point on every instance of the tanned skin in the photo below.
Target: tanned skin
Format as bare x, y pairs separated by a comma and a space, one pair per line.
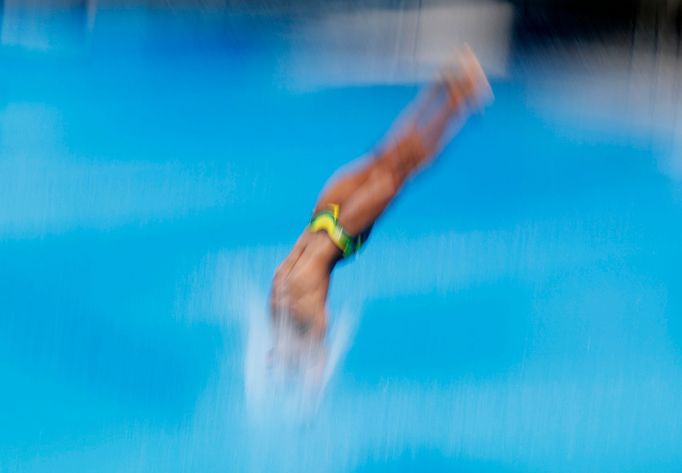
301, 282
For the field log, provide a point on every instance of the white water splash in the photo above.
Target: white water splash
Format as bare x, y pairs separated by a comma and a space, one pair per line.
273, 389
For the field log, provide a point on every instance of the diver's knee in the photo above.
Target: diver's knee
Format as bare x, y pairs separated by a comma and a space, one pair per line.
386, 180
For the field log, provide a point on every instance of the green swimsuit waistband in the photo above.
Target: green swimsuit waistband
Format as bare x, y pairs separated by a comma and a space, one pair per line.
328, 220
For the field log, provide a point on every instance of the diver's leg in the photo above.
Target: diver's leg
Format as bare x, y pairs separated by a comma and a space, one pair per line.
420, 135
448, 99
341, 185
418, 144
382, 183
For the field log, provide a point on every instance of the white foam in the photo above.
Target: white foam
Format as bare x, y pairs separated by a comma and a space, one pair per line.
288, 381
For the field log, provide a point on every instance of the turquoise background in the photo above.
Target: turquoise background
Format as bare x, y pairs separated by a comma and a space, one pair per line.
519, 308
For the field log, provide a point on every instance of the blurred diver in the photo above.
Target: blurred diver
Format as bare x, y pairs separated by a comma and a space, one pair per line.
352, 202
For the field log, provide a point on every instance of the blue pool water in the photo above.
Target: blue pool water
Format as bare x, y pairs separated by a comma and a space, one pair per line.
518, 309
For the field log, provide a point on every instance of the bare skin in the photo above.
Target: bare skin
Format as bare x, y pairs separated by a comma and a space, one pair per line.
301, 282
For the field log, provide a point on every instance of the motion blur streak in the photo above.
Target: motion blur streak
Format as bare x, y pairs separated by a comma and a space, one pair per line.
519, 308
47, 185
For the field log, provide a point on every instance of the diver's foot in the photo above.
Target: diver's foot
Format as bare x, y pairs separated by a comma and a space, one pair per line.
466, 81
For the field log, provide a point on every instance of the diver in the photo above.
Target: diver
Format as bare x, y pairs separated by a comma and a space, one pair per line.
351, 203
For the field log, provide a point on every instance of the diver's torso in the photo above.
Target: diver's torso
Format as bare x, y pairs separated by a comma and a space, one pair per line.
301, 283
